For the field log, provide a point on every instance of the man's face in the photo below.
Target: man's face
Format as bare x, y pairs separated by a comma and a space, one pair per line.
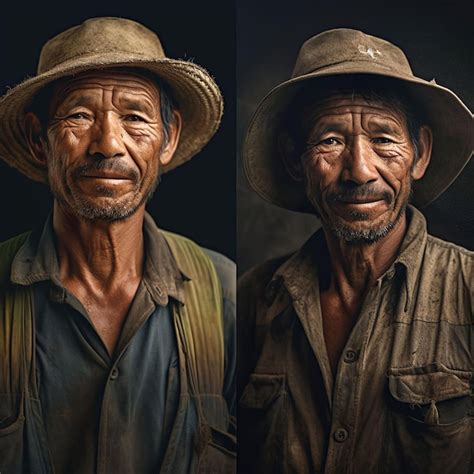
104, 141
357, 165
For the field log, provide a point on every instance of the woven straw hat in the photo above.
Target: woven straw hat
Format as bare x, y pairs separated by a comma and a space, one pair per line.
345, 51
112, 42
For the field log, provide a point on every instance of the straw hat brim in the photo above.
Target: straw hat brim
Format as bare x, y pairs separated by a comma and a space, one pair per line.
450, 120
197, 95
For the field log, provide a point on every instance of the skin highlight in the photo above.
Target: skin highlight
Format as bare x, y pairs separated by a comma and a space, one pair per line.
358, 166
104, 147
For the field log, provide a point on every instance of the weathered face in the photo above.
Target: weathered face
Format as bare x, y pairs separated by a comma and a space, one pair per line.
105, 141
357, 165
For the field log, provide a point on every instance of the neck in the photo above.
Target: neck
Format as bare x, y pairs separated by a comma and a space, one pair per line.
99, 253
356, 267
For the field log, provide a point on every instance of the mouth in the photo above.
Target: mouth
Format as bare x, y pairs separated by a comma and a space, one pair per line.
109, 176
361, 202
361, 206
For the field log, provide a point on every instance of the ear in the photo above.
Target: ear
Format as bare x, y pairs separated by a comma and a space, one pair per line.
34, 138
425, 145
174, 133
289, 155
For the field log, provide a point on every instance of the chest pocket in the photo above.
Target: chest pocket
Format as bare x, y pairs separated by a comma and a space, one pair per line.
430, 421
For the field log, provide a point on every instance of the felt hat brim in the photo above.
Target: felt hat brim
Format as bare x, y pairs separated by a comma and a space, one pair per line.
450, 120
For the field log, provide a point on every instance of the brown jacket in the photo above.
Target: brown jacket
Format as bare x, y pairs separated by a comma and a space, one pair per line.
401, 400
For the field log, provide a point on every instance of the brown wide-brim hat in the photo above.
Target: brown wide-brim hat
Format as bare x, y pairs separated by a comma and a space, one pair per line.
340, 52
109, 42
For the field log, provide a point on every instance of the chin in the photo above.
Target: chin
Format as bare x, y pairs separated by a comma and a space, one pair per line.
363, 230
358, 236
103, 213
102, 209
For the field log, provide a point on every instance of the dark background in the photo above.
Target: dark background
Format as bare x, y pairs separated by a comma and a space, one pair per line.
438, 39
198, 198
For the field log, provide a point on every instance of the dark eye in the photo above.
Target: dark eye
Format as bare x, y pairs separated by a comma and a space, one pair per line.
134, 118
78, 116
329, 141
382, 140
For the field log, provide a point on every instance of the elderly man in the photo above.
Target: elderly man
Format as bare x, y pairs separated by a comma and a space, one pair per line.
116, 338
355, 352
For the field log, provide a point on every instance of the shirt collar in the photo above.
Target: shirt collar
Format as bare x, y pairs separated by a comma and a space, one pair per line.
37, 260
411, 251
299, 272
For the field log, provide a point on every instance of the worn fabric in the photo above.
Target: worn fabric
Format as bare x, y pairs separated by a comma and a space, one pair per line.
100, 412
401, 399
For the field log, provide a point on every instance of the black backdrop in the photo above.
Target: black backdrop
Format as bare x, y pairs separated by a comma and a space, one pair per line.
198, 198
438, 39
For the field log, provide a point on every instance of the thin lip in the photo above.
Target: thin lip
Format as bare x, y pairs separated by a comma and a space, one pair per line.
106, 176
360, 201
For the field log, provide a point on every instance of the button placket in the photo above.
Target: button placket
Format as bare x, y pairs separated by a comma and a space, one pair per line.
345, 401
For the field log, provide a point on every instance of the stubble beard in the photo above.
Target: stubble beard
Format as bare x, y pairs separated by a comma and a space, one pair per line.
369, 236
354, 236
112, 210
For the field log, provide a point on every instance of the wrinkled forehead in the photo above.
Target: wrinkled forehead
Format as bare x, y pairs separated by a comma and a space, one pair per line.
123, 81
339, 103
339, 106
389, 96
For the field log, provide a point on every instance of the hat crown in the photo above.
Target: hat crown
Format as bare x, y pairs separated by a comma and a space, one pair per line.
343, 45
100, 35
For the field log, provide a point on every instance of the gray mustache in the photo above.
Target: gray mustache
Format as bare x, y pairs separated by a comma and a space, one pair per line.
106, 165
361, 192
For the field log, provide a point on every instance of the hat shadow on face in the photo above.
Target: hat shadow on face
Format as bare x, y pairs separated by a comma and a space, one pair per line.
324, 62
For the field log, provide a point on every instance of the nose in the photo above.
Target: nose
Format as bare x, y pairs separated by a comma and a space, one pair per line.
359, 165
106, 137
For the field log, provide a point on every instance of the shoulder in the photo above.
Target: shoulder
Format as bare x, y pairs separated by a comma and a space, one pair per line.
435, 244
193, 259
447, 275
8, 250
448, 258
226, 271
253, 283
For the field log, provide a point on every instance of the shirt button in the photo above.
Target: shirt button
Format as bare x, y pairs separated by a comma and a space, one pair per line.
114, 374
390, 274
340, 435
350, 356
